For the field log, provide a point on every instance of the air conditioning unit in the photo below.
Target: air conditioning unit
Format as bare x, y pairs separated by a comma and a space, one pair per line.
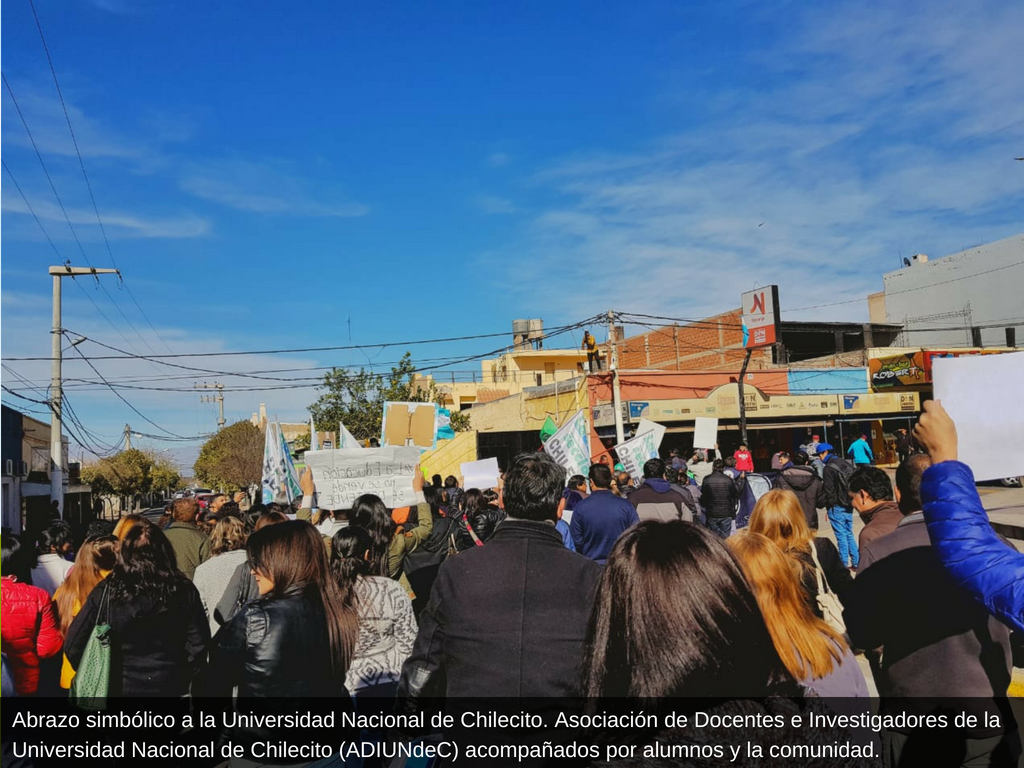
9, 467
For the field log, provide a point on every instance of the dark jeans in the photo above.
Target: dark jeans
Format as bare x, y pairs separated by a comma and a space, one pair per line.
594, 360
720, 526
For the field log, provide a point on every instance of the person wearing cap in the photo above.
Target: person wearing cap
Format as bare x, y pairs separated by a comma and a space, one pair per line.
836, 495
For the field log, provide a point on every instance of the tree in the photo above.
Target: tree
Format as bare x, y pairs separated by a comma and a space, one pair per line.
131, 474
357, 399
460, 421
233, 457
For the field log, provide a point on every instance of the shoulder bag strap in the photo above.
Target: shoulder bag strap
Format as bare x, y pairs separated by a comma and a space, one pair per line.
822, 582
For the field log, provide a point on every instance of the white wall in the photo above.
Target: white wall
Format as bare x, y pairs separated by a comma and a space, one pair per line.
989, 278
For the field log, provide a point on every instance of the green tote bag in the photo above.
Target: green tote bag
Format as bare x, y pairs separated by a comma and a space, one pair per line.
91, 685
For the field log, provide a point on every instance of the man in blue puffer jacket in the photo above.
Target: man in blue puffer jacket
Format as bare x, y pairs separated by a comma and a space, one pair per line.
992, 571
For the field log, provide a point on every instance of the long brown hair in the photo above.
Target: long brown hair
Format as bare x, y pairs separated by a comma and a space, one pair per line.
779, 516
808, 646
228, 535
674, 616
292, 555
95, 556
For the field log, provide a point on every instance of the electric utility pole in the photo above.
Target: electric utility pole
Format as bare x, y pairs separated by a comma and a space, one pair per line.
218, 399
127, 437
613, 365
56, 401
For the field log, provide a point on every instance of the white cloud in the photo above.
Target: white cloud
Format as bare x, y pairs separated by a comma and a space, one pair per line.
498, 159
883, 128
117, 224
270, 187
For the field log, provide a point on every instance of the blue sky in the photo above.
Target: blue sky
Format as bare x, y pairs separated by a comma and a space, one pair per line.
430, 170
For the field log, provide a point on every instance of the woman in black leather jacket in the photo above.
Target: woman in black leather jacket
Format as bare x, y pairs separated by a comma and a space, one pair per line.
478, 516
295, 641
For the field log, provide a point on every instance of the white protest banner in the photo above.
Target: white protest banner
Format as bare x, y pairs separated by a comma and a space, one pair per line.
982, 394
342, 475
481, 474
646, 425
633, 454
705, 432
570, 445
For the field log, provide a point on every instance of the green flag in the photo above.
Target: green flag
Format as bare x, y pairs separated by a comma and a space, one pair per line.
548, 429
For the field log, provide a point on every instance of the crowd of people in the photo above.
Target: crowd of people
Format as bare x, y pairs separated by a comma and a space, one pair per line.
556, 587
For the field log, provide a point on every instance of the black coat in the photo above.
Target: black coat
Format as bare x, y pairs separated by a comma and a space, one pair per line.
273, 647
505, 620
159, 646
805, 483
834, 486
720, 494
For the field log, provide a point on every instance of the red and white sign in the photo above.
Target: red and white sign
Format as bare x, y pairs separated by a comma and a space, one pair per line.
760, 316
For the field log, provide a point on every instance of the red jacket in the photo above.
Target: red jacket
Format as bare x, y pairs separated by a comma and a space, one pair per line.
28, 630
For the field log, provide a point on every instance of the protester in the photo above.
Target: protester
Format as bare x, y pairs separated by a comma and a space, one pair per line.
155, 615
835, 494
242, 587
28, 621
478, 521
126, 523
979, 561
903, 444
700, 467
871, 496
941, 650
294, 643
454, 492
656, 500
508, 619
744, 459
421, 565
95, 560
52, 565
778, 516
227, 552
815, 654
679, 482
387, 626
191, 546
677, 462
622, 484
803, 481
600, 519
575, 491
861, 452
217, 502
780, 460
719, 497
390, 544
328, 522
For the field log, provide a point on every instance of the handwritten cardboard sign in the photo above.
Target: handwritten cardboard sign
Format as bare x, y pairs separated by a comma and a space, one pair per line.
345, 474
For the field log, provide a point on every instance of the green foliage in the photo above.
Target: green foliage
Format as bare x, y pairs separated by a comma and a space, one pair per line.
232, 458
131, 473
302, 443
357, 399
460, 421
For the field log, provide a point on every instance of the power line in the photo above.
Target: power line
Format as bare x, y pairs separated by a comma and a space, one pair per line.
85, 175
553, 332
122, 398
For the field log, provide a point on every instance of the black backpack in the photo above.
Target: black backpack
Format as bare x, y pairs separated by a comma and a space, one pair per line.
843, 471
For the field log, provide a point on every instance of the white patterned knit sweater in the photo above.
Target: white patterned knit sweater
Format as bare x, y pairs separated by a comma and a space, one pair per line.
387, 630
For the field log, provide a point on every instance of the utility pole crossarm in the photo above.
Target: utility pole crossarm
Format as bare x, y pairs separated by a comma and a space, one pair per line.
69, 271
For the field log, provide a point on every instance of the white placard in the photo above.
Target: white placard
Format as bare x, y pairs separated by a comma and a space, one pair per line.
344, 474
982, 394
570, 445
636, 452
646, 425
705, 432
481, 474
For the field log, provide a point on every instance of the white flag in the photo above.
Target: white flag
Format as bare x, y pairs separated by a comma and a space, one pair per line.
345, 439
314, 441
